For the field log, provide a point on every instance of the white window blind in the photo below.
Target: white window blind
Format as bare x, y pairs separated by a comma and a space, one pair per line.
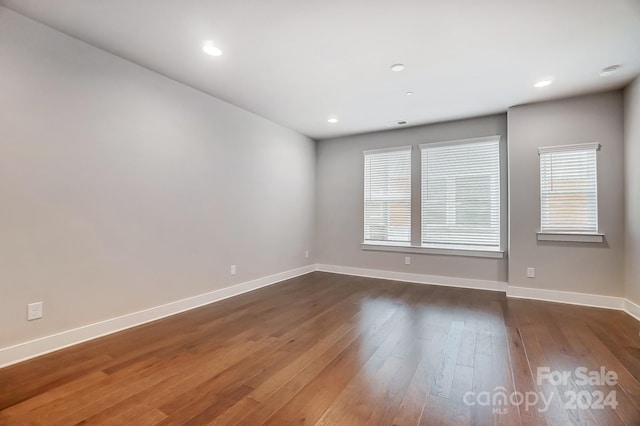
461, 194
387, 196
569, 188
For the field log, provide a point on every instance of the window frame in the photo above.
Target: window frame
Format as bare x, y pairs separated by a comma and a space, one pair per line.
391, 243
584, 236
468, 247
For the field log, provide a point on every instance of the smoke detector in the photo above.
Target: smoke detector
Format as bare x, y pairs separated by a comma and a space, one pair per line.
609, 70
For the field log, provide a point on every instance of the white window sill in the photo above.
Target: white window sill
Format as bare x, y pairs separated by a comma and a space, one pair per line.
574, 237
443, 250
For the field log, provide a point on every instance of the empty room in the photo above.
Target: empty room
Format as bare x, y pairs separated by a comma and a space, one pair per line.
244, 212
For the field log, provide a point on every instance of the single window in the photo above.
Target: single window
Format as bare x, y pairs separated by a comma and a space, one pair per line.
387, 196
461, 194
569, 189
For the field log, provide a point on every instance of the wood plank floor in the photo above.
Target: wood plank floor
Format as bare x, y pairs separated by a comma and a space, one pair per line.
329, 349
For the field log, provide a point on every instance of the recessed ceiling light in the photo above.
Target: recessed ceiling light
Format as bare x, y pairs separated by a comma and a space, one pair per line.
332, 120
409, 93
210, 49
543, 83
609, 70
397, 67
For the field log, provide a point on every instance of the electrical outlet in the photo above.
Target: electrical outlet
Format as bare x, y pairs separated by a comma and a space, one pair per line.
233, 269
34, 311
531, 272
407, 260
306, 254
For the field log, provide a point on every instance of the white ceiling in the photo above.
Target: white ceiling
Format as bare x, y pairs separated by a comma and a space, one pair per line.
296, 62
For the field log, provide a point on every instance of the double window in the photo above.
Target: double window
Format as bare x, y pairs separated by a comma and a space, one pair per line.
460, 195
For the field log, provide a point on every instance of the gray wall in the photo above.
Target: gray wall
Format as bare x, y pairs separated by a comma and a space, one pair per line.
123, 190
581, 267
339, 212
632, 192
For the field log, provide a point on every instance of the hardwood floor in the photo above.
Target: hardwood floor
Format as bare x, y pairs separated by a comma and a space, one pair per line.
330, 349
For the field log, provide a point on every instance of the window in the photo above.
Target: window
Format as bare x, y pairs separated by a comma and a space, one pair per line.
569, 189
461, 194
387, 196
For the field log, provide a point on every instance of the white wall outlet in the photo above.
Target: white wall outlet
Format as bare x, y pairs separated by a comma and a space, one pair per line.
306, 254
407, 260
233, 269
531, 272
34, 311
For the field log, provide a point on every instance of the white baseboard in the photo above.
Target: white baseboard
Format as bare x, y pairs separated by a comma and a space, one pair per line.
632, 309
582, 299
416, 278
23, 351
